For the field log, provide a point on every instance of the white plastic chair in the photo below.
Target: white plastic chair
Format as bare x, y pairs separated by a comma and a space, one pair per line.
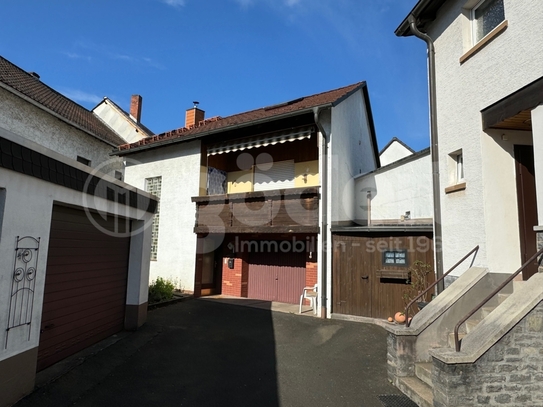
310, 293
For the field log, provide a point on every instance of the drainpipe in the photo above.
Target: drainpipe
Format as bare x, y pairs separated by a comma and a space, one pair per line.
434, 150
324, 210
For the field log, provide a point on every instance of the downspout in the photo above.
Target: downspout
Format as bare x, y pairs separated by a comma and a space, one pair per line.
434, 150
324, 210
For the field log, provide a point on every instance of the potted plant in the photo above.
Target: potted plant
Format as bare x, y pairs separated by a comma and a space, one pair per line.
418, 282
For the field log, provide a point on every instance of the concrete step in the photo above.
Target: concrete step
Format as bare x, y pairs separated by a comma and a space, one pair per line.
471, 324
417, 390
485, 311
424, 372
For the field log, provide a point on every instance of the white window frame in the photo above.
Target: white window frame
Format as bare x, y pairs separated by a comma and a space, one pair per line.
474, 22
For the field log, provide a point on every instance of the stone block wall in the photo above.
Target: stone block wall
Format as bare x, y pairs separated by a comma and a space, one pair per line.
401, 353
510, 373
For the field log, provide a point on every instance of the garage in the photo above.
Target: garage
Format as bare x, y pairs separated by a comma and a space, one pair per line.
371, 271
276, 276
85, 283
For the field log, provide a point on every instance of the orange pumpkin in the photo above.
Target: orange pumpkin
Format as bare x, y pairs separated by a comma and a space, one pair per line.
399, 317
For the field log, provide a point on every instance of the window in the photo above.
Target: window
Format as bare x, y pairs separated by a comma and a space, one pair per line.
154, 186
83, 160
486, 16
459, 167
118, 175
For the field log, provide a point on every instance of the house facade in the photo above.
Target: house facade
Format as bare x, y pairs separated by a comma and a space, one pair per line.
73, 239
265, 188
488, 92
477, 342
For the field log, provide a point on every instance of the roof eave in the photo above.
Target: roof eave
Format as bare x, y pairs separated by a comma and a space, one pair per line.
58, 116
203, 134
424, 12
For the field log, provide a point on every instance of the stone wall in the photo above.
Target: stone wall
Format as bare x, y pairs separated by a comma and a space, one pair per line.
509, 374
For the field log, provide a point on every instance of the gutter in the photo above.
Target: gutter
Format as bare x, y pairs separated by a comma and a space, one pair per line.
438, 234
324, 210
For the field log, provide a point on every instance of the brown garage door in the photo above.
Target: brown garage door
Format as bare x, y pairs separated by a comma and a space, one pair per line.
276, 276
85, 284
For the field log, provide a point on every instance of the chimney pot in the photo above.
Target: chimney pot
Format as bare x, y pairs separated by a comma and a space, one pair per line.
135, 107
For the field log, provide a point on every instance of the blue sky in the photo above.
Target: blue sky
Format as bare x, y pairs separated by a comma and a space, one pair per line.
230, 55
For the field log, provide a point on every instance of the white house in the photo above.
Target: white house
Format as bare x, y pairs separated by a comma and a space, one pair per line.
236, 190
479, 342
126, 125
395, 150
488, 89
74, 241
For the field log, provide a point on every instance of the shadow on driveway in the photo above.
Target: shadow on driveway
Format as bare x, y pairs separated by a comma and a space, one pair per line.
203, 353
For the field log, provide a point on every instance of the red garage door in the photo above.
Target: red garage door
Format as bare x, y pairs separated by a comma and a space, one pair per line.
85, 284
276, 276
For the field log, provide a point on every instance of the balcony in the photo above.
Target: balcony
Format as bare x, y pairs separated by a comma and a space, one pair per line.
293, 210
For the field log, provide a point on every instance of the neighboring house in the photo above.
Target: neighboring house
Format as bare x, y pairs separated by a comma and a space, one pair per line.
245, 208
73, 240
128, 126
486, 96
395, 150
393, 230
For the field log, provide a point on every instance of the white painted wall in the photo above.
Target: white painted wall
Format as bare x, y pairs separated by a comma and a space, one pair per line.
394, 152
21, 117
179, 167
122, 125
27, 212
351, 153
397, 189
484, 213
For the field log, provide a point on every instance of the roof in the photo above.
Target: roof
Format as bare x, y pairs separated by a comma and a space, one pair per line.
392, 141
144, 129
283, 110
425, 12
22, 83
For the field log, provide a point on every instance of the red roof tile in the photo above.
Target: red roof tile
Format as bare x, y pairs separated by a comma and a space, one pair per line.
23, 82
218, 124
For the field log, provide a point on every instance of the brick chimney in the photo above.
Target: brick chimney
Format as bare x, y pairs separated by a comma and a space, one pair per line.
135, 108
193, 116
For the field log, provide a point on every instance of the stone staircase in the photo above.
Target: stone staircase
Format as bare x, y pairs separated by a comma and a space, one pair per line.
416, 354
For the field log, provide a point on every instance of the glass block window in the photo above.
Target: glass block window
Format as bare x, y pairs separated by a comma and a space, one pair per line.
486, 16
154, 186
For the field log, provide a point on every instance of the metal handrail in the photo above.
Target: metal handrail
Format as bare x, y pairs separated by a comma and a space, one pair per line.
489, 296
406, 313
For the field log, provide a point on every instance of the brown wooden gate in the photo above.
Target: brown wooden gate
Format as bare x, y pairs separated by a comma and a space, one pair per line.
276, 276
85, 285
369, 274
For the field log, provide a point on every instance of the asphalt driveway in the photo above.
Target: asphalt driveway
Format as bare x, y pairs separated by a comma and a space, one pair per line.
200, 353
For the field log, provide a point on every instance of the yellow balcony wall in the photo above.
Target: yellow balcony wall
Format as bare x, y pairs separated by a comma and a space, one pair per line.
240, 181
306, 174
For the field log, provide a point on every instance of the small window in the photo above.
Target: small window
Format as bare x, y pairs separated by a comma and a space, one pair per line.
459, 159
154, 186
119, 175
486, 16
83, 160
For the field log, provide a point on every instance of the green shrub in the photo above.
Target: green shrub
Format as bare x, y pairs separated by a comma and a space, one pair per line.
160, 290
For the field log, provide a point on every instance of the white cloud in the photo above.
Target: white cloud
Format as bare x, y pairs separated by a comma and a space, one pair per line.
80, 96
73, 55
174, 3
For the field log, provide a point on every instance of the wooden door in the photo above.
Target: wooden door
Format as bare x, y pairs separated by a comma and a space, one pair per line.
352, 276
527, 206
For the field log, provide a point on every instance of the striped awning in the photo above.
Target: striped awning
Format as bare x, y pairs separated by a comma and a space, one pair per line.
260, 141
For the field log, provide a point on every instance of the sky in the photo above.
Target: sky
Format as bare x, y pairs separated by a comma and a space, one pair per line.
230, 55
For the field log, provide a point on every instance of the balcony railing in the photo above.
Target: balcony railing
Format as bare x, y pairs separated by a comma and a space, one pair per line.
294, 210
